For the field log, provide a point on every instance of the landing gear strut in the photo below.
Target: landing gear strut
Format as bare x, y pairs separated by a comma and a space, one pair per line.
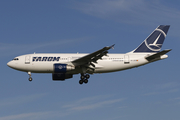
84, 78
30, 78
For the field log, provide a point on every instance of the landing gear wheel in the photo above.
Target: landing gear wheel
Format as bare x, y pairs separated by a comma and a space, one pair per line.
86, 81
81, 82
82, 77
87, 76
30, 79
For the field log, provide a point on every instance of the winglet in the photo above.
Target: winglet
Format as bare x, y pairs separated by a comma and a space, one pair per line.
109, 47
112, 46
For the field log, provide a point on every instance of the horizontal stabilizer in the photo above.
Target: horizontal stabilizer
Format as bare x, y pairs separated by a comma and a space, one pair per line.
157, 55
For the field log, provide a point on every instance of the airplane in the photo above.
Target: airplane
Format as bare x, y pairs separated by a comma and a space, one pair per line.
64, 66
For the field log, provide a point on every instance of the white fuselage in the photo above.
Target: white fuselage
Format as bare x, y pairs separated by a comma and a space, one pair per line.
43, 63
64, 66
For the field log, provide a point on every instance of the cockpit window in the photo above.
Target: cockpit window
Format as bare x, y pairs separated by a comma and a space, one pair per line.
15, 59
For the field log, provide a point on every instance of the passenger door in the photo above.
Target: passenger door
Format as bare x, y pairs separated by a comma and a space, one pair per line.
126, 59
27, 59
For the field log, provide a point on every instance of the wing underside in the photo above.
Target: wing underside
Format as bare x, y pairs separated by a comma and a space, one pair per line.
91, 59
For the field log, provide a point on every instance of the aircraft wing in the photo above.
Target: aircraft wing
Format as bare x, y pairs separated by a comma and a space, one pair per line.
92, 57
157, 55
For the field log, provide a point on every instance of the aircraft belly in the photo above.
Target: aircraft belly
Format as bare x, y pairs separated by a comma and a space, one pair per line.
41, 68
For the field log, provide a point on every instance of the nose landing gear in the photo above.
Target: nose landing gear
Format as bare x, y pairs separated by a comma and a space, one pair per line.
84, 78
30, 78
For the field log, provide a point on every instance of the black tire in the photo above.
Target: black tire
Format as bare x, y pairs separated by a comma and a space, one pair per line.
87, 76
82, 77
86, 81
81, 82
30, 79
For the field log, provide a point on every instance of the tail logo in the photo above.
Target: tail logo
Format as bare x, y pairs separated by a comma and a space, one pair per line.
156, 43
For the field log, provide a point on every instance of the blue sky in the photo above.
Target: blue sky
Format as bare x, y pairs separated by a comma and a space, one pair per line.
61, 26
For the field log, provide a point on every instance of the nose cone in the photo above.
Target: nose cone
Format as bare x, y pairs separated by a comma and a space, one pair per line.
12, 64
9, 64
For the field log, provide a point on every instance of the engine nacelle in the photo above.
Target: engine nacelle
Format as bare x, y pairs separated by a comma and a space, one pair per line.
61, 76
62, 68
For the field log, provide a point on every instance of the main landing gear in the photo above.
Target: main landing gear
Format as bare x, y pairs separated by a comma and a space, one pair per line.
30, 78
84, 78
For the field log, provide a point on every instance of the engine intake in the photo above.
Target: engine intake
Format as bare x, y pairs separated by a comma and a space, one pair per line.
62, 68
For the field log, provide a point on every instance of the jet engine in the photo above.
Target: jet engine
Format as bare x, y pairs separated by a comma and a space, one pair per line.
62, 68
61, 76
